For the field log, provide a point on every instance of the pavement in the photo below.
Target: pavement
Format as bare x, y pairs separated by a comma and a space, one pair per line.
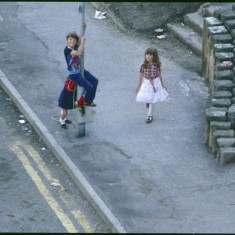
139, 177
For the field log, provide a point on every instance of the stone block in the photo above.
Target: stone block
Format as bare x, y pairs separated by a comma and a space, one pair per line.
222, 94
230, 24
212, 21
219, 11
217, 30
224, 142
225, 65
231, 115
221, 102
217, 125
224, 56
224, 74
222, 38
227, 15
226, 155
214, 114
223, 47
220, 134
223, 85
232, 31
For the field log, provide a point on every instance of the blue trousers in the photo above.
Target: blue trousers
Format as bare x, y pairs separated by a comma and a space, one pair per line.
88, 82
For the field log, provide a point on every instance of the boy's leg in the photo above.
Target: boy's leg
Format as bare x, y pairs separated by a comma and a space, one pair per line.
94, 81
87, 86
63, 115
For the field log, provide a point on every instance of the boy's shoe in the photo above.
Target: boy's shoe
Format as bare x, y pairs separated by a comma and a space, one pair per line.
68, 121
149, 119
80, 108
90, 104
64, 126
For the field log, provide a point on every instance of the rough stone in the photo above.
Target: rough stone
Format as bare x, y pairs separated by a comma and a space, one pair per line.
217, 30
145, 16
223, 47
212, 21
222, 38
230, 24
223, 85
217, 125
218, 134
221, 102
220, 66
228, 15
231, 114
214, 114
224, 56
224, 74
226, 142
232, 31
222, 94
226, 155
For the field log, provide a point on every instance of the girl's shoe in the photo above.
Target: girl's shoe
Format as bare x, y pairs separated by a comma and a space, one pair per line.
149, 119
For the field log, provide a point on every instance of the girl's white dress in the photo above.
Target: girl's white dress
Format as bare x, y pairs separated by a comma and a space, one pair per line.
146, 93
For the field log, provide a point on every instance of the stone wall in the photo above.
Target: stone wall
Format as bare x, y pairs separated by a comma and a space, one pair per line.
218, 69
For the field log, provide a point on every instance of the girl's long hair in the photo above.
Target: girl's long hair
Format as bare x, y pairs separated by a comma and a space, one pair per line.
156, 60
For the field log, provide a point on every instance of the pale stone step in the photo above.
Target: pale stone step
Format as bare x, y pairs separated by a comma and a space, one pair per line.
187, 36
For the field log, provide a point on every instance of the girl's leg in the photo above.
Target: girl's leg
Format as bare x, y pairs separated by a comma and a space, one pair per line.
150, 113
151, 108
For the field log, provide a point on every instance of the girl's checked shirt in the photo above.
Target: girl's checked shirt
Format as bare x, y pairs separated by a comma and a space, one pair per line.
152, 71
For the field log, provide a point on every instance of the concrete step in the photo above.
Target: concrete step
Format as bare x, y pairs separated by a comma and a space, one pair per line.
194, 21
187, 36
190, 31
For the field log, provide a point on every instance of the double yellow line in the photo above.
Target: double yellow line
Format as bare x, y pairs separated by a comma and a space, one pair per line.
55, 206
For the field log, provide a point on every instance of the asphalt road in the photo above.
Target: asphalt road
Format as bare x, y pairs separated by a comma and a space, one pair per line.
36, 193
153, 178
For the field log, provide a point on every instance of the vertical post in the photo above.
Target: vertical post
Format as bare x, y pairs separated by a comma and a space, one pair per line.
80, 123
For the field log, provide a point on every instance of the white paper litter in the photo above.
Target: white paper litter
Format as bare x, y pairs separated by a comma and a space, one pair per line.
161, 36
22, 121
100, 15
55, 184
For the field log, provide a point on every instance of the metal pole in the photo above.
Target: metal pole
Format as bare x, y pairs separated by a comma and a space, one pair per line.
80, 123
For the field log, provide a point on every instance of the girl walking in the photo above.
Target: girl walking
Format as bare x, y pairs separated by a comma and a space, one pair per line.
150, 87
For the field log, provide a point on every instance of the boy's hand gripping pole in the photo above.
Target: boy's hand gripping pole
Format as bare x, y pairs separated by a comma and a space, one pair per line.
80, 122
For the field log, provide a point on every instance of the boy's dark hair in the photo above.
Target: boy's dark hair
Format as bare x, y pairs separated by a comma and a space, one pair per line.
72, 35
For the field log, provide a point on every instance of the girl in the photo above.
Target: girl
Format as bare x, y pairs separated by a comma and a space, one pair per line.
150, 88
74, 49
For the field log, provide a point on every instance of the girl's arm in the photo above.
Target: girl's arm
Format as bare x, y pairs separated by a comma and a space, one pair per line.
139, 82
80, 48
161, 79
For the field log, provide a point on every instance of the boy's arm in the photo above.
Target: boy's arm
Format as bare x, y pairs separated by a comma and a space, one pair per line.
80, 48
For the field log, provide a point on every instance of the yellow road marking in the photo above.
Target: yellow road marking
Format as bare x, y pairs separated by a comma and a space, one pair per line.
41, 165
65, 221
78, 215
